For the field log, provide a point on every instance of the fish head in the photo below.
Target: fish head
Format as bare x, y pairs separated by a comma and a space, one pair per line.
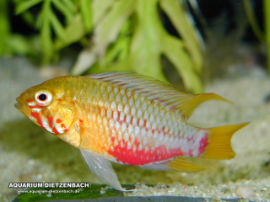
47, 106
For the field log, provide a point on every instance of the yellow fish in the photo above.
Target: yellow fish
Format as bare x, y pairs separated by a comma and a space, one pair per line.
128, 119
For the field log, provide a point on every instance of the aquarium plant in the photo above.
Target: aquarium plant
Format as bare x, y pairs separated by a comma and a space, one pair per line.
123, 35
264, 37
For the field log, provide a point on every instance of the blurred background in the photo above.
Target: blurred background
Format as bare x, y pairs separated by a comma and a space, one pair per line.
220, 46
175, 40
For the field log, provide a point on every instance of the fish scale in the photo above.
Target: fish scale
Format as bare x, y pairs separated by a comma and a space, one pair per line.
155, 135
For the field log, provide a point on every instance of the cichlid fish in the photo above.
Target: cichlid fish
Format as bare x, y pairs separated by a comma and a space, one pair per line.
128, 119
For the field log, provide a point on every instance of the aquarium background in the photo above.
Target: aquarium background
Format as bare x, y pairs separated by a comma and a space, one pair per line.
197, 45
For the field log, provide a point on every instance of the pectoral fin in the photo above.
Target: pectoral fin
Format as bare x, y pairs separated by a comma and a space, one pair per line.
102, 168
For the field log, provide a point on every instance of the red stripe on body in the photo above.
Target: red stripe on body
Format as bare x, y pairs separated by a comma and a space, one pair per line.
140, 157
203, 144
190, 153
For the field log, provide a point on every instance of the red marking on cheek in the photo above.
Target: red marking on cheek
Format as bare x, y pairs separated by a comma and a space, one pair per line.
55, 131
140, 157
35, 106
36, 115
29, 100
58, 120
64, 127
81, 121
50, 121
203, 144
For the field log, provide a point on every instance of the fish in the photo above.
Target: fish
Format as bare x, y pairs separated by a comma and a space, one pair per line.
126, 118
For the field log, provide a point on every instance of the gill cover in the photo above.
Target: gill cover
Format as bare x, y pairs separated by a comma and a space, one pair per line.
63, 116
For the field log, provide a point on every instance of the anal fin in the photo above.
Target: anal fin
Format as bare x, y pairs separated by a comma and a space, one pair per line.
102, 168
184, 165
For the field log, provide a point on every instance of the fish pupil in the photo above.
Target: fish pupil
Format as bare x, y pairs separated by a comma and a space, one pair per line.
42, 97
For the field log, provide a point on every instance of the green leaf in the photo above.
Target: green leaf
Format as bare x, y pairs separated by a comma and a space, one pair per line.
61, 7
70, 5
73, 32
25, 5
19, 45
174, 50
86, 10
58, 28
100, 8
252, 20
178, 16
267, 30
4, 25
107, 30
145, 47
142, 53
120, 49
46, 40
144, 57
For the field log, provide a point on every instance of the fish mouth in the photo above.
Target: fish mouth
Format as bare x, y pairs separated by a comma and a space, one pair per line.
19, 105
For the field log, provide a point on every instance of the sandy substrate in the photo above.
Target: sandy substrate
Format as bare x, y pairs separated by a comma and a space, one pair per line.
30, 154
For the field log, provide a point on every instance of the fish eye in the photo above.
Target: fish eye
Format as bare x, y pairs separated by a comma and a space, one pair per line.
43, 98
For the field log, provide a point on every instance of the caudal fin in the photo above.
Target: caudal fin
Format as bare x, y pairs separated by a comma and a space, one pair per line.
219, 142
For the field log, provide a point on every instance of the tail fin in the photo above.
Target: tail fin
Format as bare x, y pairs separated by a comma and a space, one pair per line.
219, 142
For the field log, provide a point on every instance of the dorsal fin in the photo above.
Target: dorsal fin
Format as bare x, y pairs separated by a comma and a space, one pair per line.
165, 94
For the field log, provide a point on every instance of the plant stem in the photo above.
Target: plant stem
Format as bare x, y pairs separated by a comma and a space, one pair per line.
4, 25
252, 20
267, 30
